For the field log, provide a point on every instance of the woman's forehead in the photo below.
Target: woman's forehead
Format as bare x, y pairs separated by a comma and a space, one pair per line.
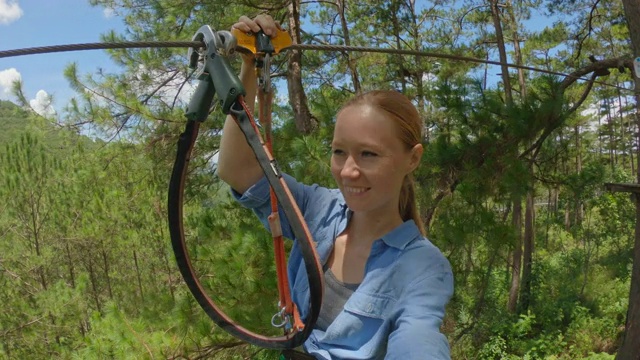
364, 117
364, 125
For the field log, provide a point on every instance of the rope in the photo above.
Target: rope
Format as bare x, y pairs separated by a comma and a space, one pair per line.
335, 48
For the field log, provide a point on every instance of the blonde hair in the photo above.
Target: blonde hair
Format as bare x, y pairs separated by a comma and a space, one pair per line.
404, 114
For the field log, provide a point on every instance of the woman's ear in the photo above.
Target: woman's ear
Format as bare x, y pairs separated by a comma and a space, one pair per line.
416, 156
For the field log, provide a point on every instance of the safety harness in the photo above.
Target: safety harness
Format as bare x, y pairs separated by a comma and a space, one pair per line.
216, 78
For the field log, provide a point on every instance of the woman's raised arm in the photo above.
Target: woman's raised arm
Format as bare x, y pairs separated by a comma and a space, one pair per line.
237, 165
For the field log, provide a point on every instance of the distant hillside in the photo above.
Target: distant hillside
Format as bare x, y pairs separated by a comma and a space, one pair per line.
14, 121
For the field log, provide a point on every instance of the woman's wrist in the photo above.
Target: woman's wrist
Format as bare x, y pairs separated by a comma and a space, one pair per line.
247, 59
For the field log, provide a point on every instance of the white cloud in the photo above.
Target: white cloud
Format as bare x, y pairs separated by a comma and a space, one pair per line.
9, 11
42, 104
7, 77
107, 12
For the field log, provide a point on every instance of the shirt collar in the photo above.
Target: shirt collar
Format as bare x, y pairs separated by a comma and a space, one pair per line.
402, 235
398, 238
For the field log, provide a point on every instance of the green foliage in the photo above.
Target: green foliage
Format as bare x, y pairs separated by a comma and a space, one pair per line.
86, 268
14, 121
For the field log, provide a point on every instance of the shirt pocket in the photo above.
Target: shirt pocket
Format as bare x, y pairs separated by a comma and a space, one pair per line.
370, 305
362, 327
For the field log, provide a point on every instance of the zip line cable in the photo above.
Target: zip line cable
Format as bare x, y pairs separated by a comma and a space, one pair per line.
99, 46
335, 48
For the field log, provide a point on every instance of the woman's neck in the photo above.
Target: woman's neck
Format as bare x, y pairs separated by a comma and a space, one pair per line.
369, 228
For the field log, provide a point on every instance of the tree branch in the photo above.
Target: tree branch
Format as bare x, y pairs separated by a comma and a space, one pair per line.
594, 68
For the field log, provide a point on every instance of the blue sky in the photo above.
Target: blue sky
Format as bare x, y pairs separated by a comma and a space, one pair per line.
32, 23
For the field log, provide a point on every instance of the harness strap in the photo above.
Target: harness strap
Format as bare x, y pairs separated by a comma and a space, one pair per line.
263, 48
217, 78
291, 313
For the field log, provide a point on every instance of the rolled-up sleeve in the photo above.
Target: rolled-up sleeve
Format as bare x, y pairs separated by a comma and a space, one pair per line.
254, 197
416, 331
312, 200
257, 198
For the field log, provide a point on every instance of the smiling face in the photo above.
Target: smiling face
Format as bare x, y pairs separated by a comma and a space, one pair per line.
369, 161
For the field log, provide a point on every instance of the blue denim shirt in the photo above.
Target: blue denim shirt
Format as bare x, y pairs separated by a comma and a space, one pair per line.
397, 310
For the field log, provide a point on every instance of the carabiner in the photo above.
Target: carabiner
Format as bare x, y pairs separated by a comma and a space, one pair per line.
264, 81
221, 43
285, 319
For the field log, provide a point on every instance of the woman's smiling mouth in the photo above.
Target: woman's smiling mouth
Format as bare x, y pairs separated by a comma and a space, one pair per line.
355, 190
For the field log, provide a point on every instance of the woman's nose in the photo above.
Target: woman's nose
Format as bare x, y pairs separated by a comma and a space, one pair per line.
350, 168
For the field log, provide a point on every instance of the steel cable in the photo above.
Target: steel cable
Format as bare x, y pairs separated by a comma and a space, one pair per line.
335, 48
98, 46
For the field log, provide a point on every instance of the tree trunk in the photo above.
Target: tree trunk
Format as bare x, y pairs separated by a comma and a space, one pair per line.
623, 133
305, 122
165, 260
35, 231
612, 141
549, 211
567, 217
527, 255
514, 291
402, 71
422, 68
495, 14
579, 215
94, 284
516, 278
600, 137
351, 64
629, 145
630, 348
139, 276
516, 49
486, 280
105, 264
72, 275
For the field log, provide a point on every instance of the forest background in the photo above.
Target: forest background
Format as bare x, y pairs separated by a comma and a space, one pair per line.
512, 185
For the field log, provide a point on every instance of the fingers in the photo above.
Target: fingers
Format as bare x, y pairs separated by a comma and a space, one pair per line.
262, 22
246, 24
267, 24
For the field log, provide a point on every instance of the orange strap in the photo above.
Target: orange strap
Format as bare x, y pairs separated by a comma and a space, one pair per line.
265, 47
290, 310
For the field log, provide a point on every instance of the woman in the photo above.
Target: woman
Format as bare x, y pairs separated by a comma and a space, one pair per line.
386, 285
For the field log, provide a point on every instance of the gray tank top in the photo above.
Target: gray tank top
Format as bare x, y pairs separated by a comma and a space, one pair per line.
336, 294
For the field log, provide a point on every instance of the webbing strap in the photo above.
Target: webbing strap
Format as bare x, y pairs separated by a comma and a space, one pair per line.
245, 121
291, 314
217, 78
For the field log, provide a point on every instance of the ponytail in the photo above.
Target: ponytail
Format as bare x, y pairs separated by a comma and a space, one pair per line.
407, 204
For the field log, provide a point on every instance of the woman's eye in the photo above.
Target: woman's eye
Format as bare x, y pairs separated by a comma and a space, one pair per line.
368, 154
337, 152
